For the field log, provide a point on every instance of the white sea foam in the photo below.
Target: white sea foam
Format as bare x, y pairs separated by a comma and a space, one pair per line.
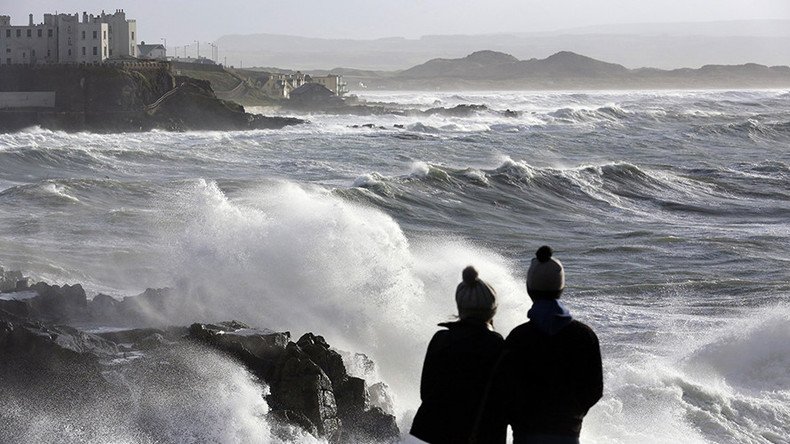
290, 258
726, 385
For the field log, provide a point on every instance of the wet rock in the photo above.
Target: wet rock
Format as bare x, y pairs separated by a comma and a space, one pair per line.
299, 384
463, 110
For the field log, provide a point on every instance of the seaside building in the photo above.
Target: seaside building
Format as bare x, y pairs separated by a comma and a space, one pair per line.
279, 86
63, 38
151, 52
332, 82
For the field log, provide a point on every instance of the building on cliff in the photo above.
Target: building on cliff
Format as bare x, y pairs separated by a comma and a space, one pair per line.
63, 38
151, 52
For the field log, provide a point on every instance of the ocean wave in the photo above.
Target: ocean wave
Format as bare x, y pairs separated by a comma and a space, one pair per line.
729, 384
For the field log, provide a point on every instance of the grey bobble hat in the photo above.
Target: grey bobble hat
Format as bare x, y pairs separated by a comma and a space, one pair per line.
545, 272
475, 299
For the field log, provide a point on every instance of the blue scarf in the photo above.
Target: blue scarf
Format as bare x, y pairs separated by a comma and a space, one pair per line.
549, 315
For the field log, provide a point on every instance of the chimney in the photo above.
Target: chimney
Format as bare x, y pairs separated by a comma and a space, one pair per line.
31, 19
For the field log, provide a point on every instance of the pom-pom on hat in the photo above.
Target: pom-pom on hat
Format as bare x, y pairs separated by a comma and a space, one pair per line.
545, 276
475, 299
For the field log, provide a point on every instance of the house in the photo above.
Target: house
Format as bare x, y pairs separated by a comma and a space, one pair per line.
332, 82
151, 52
279, 86
63, 38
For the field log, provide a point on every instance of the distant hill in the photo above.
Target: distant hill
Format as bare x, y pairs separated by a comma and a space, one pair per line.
658, 45
564, 70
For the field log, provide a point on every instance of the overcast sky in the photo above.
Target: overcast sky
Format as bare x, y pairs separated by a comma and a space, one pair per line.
183, 21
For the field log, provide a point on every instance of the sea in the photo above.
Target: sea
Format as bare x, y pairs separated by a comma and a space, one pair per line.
670, 211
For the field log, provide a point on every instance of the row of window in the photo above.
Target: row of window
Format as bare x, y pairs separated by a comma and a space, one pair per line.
29, 33
50, 33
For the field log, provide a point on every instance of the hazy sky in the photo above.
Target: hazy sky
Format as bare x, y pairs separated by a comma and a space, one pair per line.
183, 21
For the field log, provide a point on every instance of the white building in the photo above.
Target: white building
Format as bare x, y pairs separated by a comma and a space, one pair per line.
332, 82
63, 38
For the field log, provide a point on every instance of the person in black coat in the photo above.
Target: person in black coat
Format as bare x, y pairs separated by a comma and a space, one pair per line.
457, 372
550, 374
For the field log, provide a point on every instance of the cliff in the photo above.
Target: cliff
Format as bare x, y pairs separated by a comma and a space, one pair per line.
124, 97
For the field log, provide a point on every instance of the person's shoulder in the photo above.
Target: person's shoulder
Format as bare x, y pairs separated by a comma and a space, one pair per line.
582, 329
495, 336
518, 333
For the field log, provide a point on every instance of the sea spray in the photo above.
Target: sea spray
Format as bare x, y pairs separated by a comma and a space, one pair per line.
289, 258
726, 385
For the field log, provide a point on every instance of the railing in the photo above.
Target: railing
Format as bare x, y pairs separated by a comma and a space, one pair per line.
164, 97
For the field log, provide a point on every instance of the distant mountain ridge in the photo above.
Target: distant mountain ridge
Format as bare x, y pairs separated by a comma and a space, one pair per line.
563, 70
659, 45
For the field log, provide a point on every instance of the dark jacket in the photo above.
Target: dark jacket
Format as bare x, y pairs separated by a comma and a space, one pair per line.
548, 380
455, 376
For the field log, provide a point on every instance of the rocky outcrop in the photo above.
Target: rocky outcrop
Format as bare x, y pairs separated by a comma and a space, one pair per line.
69, 304
107, 98
310, 387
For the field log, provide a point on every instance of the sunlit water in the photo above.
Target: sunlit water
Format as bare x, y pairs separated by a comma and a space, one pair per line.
669, 210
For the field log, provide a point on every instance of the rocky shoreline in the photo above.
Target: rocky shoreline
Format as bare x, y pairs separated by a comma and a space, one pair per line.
47, 360
123, 98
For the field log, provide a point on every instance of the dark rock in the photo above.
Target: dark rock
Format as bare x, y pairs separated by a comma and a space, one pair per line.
352, 398
259, 350
329, 360
54, 303
463, 110
300, 385
373, 425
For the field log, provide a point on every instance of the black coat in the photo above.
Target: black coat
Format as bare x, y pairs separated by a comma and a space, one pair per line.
549, 382
455, 377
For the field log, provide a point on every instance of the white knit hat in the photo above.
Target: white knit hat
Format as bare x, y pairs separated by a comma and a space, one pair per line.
545, 273
474, 298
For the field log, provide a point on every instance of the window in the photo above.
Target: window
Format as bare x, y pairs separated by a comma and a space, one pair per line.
19, 33
49, 53
133, 35
105, 51
83, 50
69, 52
41, 33
69, 41
95, 51
8, 50
8, 33
30, 33
83, 35
24, 55
95, 35
105, 34
49, 33
32, 53
110, 52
